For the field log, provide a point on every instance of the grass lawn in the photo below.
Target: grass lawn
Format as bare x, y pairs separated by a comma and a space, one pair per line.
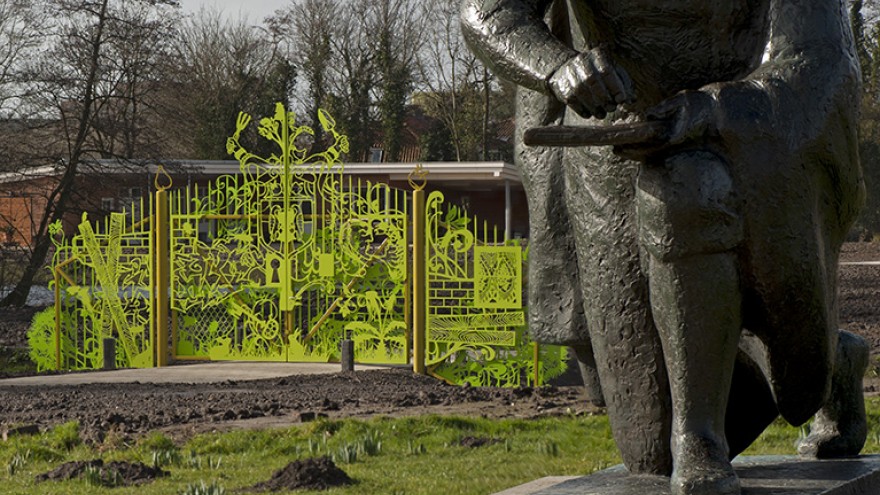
421, 455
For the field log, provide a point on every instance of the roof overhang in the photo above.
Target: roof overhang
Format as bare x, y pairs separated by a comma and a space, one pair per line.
445, 172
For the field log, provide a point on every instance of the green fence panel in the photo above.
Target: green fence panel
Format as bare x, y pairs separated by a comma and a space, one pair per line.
104, 275
476, 328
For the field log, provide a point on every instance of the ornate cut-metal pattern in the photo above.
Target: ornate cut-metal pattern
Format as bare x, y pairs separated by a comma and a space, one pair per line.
103, 274
476, 320
284, 260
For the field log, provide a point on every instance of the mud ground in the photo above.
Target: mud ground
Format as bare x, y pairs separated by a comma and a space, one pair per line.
130, 410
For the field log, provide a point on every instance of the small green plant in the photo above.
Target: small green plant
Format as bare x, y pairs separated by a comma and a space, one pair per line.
166, 457
370, 444
317, 447
347, 454
97, 476
202, 488
18, 461
548, 448
193, 460
156, 442
65, 437
415, 448
93, 476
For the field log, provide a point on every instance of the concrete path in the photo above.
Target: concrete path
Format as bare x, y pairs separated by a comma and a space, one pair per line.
211, 372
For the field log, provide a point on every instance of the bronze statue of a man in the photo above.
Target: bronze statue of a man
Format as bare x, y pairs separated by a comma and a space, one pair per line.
696, 270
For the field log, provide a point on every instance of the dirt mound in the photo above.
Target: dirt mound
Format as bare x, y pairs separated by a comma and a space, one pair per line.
308, 474
115, 473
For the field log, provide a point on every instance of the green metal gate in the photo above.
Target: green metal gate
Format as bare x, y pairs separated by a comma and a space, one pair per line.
284, 260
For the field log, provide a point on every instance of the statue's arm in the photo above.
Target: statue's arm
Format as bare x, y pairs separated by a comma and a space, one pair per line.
811, 59
514, 40
809, 74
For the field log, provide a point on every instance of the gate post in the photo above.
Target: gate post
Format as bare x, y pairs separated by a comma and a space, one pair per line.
419, 282
161, 278
57, 318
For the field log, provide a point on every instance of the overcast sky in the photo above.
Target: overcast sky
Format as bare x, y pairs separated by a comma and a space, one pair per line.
256, 10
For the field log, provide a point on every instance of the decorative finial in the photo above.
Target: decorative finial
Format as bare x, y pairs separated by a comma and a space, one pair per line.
418, 178
166, 181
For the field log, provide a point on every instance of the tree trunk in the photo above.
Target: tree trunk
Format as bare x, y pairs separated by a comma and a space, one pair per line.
57, 202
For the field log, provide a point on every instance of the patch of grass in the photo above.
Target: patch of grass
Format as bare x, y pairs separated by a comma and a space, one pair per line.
156, 441
416, 455
64, 437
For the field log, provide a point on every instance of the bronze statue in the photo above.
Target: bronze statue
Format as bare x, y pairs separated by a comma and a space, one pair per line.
692, 265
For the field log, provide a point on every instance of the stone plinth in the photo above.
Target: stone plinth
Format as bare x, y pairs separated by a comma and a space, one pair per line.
759, 475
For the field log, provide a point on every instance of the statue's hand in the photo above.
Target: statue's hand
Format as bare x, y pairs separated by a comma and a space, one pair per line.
591, 85
692, 117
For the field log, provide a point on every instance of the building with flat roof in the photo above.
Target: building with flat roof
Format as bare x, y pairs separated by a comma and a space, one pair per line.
492, 191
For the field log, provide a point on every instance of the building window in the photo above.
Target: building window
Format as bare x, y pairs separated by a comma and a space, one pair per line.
376, 155
108, 204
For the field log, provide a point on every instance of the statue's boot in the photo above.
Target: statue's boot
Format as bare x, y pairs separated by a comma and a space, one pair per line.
702, 466
840, 428
699, 321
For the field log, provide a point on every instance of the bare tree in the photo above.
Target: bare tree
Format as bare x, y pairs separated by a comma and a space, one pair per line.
224, 66
305, 30
353, 78
450, 75
71, 82
20, 26
866, 31
457, 89
358, 59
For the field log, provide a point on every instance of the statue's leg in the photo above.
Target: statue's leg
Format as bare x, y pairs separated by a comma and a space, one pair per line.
698, 319
628, 356
840, 427
689, 228
811, 366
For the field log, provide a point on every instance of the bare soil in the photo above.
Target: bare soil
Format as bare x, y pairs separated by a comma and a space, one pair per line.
111, 474
307, 474
130, 410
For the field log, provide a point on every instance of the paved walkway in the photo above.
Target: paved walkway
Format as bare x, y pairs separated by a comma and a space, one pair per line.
211, 372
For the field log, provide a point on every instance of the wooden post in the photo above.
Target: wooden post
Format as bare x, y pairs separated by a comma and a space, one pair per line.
419, 275
419, 283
